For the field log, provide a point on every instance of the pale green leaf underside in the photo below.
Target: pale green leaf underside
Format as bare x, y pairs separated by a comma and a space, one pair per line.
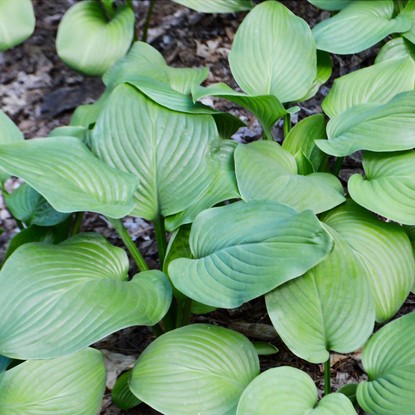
330, 4
68, 385
389, 359
388, 188
264, 170
217, 6
69, 177
377, 83
97, 43
373, 127
195, 369
58, 299
245, 250
274, 53
287, 390
17, 22
167, 151
395, 49
384, 251
358, 26
329, 308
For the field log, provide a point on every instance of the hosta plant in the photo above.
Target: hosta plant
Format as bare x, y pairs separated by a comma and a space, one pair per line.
244, 221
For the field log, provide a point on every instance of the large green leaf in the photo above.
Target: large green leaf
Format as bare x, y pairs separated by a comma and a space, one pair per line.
79, 287
197, 369
409, 11
217, 6
389, 360
90, 43
274, 53
410, 231
358, 26
330, 4
69, 177
377, 83
244, 250
384, 251
68, 385
17, 22
265, 170
388, 188
396, 48
169, 152
329, 308
374, 127
287, 390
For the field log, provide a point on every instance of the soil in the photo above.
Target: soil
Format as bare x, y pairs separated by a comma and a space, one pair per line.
40, 93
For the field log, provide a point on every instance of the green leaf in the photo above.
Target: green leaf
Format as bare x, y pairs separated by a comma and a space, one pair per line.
377, 83
274, 53
217, 6
384, 251
329, 308
286, 390
265, 349
244, 250
395, 49
374, 127
350, 390
410, 231
77, 131
265, 170
68, 385
266, 108
121, 394
167, 151
358, 26
301, 139
27, 205
210, 369
79, 287
388, 186
69, 177
389, 360
330, 4
17, 22
97, 43
409, 11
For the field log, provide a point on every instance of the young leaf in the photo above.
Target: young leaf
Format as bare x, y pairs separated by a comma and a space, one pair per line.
69, 177
17, 22
121, 394
42, 283
210, 369
378, 84
55, 387
374, 127
245, 250
395, 49
329, 308
388, 359
286, 390
274, 53
264, 170
360, 25
97, 43
330, 4
217, 6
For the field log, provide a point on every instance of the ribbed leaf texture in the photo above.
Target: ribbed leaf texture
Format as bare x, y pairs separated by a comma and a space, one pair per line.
217, 6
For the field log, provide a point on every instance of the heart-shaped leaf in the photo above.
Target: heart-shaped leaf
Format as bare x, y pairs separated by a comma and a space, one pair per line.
244, 250
329, 308
395, 49
264, 170
69, 177
330, 4
384, 251
78, 287
210, 369
388, 188
389, 360
378, 84
217, 6
358, 26
68, 385
374, 127
167, 151
97, 43
17, 22
286, 390
274, 53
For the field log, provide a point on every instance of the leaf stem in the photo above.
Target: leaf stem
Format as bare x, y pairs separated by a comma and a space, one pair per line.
337, 165
287, 124
78, 222
161, 240
183, 313
147, 22
327, 380
129, 243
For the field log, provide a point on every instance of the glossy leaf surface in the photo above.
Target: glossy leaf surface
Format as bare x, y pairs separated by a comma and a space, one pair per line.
217, 6
244, 250
211, 368
41, 284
